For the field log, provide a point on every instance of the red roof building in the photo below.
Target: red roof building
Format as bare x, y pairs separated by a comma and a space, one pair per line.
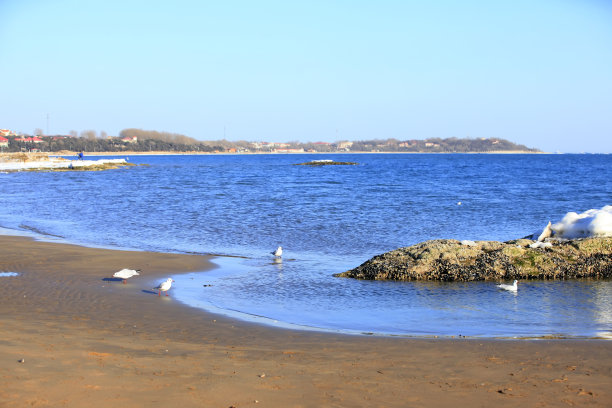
32, 139
130, 139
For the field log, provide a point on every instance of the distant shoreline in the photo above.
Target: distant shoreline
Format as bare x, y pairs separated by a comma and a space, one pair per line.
192, 153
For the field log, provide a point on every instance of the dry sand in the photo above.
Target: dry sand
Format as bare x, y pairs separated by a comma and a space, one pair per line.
86, 341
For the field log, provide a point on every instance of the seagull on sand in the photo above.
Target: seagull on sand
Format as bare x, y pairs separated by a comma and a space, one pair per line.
126, 274
278, 253
164, 286
511, 288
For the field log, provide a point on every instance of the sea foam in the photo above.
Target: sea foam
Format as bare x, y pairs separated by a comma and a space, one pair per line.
591, 223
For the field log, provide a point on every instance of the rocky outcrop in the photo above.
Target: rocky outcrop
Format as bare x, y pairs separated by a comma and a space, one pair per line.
326, 163
452, 260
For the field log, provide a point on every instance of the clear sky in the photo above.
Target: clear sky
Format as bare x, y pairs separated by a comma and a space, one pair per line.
533, 72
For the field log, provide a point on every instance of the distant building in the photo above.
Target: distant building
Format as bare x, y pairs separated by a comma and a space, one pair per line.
7, 132
32, 139
273, 144
301, 150
3, 142
129, 139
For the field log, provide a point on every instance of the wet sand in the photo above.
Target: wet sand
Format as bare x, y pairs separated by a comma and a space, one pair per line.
87, 340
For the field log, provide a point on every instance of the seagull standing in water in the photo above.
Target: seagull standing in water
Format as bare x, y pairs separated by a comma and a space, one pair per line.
164, 286
278, 253
511, 288
126, 274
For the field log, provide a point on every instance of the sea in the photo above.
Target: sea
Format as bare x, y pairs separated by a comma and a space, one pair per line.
329, 219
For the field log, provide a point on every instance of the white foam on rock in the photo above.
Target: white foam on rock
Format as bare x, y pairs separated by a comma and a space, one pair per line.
591, 223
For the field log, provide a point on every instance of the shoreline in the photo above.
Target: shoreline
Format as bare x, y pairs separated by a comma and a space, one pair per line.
41, 162
197, 153
216, 261
86, 340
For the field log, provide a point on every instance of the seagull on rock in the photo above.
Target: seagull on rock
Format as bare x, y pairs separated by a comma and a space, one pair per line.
511, 288
164, 286
278, 253
126, 274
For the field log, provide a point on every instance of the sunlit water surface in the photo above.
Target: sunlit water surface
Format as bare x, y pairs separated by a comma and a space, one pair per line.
330, 219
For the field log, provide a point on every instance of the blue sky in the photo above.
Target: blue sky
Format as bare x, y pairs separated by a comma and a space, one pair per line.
533, 72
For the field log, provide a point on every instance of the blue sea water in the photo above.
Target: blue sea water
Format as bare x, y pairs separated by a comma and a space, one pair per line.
330, 219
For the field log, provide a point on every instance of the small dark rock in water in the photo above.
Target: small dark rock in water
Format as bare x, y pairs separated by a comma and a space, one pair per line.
449, 260
326, 163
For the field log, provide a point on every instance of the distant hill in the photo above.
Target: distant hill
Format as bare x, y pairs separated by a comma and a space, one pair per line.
139, 140
449, 145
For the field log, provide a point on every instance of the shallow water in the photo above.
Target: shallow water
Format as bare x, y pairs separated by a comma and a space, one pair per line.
8, 274
330, 219
281, 295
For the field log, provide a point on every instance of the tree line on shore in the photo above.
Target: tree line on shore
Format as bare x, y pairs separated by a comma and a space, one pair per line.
140, 140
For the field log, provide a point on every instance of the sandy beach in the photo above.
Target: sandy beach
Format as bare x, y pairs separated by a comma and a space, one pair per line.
72, 337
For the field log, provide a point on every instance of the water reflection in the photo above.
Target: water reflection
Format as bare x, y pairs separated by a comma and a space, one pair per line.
293, 293
603, 313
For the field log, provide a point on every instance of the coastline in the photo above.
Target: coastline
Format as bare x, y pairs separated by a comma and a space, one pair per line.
86, 340
198, 153
36, 161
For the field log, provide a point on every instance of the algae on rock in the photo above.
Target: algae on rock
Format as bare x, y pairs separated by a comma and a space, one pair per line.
449, 260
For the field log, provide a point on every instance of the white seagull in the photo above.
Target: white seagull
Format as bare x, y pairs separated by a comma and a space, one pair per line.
126, 274
164, 286
278, 253
511, 288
